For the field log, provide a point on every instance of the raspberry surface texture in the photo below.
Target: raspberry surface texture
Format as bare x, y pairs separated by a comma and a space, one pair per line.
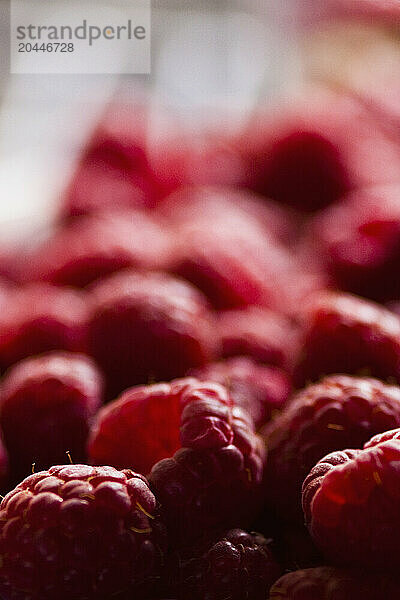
148, 326
350, 502
260, 390
330, 583
39, 318
3, 462
80, 532
46, 407
338, 412
346, 334
235, 564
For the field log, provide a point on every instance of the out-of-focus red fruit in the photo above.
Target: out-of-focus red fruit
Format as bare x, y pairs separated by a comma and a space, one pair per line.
236, 263
358, 242
260, 390
219, 204
194, 158
266, 336
92, 247
114, 170
370, 11
41, 317
148, 326
46, 406
318, 150
346, 334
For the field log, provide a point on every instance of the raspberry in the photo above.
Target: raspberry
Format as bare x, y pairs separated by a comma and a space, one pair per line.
214, 480
46, 405
359, 241
114, 171
95, 246
346, 334
148, 326
350, 502
322, 147
80, 532
265, 336
235, 565
259, 390
339, 412
39, 318
330, 583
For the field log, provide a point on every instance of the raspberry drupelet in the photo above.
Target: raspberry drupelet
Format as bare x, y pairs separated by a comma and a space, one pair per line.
46, 407
346, 334
338, 412
351, 505
148, 326
92, 247
331, 583
39, 318
235, 564
81, 532
259, 389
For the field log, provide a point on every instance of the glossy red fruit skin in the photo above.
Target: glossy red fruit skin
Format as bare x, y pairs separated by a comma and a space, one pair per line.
232, 564
350, 502
331, 583
148, 326
92, 247
39, 318
46, 407
260, 390
346, 334
338, 412
81, 532
266, 336
358, 242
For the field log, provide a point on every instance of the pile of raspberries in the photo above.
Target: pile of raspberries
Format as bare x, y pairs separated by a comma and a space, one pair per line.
200, 365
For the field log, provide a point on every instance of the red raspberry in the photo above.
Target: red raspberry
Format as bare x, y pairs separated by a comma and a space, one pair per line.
92, 247
212, 444
393, 434
359, 242
330, 583
346, 334
41, 317
339, 412
235, 565
323, 146
259, 390
80, 532
46, 405
148, 326
265, 336
214, 480
114, 171
350, 502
